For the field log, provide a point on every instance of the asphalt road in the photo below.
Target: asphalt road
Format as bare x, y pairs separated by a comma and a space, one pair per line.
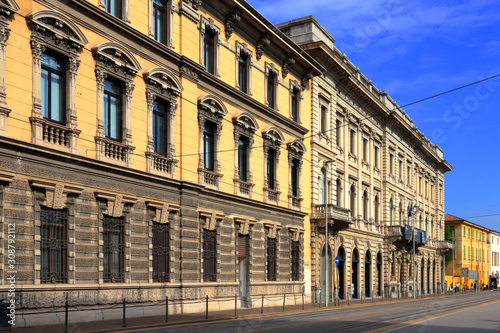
476, 312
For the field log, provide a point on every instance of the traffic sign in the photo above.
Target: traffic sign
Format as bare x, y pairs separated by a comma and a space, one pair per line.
337, 260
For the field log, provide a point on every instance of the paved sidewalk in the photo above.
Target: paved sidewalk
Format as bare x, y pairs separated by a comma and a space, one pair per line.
101, 326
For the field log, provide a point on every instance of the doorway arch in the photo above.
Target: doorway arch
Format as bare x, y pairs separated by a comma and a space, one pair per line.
355, 273
368, 273
341, 272
379, 274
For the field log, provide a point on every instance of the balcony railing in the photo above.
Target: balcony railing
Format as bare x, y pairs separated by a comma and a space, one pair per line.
209, 178
334, 212
394, 231
112, 149
273, 195
160, 163
244, 188
444, 245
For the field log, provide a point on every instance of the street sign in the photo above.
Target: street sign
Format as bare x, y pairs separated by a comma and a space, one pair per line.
473, 275
464, 272
337, 260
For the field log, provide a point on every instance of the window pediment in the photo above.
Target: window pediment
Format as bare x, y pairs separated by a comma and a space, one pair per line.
163, 80
296, 148
56, 28
246, 121
273, 135
8, 6
117, 57
213, 105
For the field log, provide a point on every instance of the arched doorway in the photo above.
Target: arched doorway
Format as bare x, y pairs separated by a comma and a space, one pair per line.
368, 273
422, 271
341, 272
355, 273
324, 266
429, 276
379, 274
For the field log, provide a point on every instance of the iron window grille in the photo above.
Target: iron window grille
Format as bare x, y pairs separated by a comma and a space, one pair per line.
271, 259
295, 261
113, 248
209, 256
54, 245
161, 252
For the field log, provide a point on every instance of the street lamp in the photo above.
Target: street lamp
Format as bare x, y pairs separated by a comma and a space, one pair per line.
327, 268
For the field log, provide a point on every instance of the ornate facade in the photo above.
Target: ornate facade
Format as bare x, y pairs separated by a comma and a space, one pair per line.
370, 163
151, 149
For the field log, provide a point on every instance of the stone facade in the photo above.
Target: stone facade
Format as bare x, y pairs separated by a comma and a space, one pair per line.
86, 204
370, 163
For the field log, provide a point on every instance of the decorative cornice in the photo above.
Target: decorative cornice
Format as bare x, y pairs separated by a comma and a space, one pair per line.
56, 193
262, 43
115, 202
289, 61
233, 18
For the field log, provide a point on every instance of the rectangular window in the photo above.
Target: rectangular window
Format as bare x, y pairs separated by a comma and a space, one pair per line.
53, 88
160, 127
295, 104
432, 192
271, 166
295, 177
375, 157
161, 252
426, 185
114, 7
113, 110
208, 145
209, 256
243, 73
391, 164
400, 170
159, 20
209, 51
338, 128
295, 261
113, 248
420, 185
271, 259
271, 90
465, 252
324, 119
353, 142
365, 150
408, 179
53, 245
243, 158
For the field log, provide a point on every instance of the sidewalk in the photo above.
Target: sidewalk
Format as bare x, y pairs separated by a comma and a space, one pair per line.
101, 326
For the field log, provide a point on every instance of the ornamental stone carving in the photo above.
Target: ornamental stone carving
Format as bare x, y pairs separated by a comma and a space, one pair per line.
289, 61
262, 43
233, 18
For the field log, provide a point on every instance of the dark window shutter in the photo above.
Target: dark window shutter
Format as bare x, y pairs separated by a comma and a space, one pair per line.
242, 246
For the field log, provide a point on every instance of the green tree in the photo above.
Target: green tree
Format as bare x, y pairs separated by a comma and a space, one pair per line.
449, 234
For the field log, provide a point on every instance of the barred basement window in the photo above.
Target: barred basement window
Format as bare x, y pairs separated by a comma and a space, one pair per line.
161, 252
271, 259
209, 256
113, 248
295, 261
54, 245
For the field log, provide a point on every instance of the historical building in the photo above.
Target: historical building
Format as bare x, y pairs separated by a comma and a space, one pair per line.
472, 252
494, 255
151, 149
370, 164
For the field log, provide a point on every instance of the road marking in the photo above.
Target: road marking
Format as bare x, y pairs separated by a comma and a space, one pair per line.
394, 327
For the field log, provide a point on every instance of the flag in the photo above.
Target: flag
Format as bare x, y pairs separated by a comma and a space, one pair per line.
411, 210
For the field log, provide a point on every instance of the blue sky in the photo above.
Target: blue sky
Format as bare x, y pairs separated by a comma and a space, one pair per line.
417, 49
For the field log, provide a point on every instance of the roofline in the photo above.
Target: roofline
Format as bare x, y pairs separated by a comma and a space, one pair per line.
317, 68
468, 222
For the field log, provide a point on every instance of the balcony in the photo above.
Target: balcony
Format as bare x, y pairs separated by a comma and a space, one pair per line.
394, 231
339, 217
401, 236
209, 178
444, 246
113, 151
160, 164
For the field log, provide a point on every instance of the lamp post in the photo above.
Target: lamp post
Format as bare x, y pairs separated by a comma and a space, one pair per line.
327, 268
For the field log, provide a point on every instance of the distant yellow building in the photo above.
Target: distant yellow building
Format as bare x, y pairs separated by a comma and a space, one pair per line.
472, 252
